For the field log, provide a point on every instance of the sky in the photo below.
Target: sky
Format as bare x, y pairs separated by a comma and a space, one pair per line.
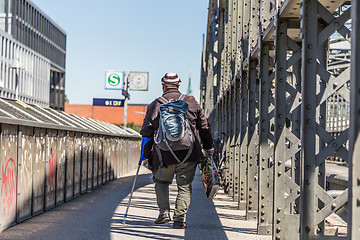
156, 36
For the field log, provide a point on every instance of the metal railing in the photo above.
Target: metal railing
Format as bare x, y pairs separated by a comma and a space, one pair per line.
271, 86
48, 157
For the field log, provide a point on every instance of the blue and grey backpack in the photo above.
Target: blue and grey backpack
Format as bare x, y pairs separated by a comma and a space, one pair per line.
174, 132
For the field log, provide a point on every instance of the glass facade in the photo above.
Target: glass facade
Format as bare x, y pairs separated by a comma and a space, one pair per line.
36, 30
28, 25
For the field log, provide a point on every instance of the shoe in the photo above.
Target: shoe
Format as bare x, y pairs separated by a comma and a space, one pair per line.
179, 225
163, 218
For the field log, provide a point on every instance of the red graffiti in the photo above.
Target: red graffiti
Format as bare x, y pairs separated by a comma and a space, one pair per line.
51, 173
8, 185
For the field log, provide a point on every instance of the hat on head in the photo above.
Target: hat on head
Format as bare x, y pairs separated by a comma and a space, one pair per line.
170, 79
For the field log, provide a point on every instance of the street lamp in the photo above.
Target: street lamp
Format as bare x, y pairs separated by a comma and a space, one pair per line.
15, 64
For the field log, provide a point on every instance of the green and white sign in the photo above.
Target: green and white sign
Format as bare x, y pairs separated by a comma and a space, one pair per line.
114, 80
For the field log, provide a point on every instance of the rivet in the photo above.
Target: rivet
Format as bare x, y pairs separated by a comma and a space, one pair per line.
278, 220
262, 213
308, 121
262, 219
279, 163
307, 167
279, 174
308, 107
334, 145
333, 206
310, 46
279, 209
309, 60
278, 229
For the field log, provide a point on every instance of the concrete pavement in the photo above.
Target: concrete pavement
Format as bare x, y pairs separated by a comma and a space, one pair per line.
98, 215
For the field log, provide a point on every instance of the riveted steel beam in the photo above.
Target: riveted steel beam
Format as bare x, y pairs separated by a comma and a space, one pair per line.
280, 126
265, 205
252, 160
243, 141
237, 126
354, 163
308, 125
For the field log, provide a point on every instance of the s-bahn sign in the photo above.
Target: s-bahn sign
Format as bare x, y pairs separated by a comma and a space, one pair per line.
114, 80
107, 102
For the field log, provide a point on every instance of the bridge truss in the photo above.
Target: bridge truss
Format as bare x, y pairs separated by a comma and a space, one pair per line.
275, 75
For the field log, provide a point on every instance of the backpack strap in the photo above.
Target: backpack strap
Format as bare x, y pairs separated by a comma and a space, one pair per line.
182, 97
162, 100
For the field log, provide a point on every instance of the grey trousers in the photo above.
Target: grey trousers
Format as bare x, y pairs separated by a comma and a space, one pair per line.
185, 173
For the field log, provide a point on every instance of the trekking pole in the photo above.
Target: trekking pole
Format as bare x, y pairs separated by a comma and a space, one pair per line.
132, 191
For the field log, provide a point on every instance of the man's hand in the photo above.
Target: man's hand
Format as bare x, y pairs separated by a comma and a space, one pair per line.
209, 152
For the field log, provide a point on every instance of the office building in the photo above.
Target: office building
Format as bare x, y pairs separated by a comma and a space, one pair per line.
32, 55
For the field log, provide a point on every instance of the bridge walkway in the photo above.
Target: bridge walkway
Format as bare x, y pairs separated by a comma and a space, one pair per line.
98, 215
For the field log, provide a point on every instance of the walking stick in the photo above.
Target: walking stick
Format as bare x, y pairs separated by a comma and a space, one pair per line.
132, 191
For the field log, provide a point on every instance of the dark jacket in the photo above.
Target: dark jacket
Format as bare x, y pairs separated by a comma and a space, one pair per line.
199, 124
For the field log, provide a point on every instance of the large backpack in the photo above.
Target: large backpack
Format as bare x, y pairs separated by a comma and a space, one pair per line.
174, 132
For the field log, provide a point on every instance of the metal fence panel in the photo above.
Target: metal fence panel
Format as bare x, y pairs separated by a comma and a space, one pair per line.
90, 173
126, 162
118, 160
51, 169
8, 194
77, 164
96, 161
101, 162
106, 160
60, 168
84, 162
114, 158
70, 157
39, 171
25, 170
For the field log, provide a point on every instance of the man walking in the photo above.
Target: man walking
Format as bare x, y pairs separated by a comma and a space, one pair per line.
167, 163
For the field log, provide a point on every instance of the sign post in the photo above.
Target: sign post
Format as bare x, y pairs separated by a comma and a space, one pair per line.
126, 95
125, 81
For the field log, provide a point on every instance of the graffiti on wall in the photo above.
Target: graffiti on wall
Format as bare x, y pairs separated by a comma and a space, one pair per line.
8, 186
51, 173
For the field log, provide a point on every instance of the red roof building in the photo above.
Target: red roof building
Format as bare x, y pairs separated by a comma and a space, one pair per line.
114, 115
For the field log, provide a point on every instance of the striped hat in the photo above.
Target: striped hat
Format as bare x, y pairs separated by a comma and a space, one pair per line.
170, 79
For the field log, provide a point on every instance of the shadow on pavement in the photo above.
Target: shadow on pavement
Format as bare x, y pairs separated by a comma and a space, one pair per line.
202, 219
86, 217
